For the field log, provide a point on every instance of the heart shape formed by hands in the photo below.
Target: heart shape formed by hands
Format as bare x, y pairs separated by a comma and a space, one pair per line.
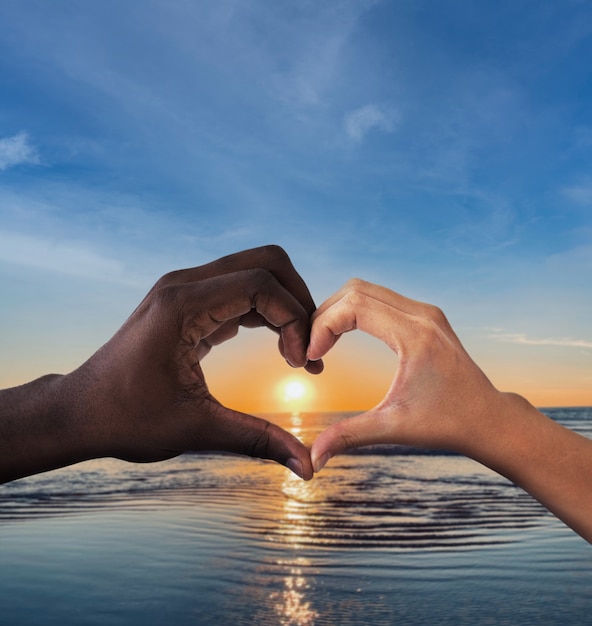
143, 395
152, 402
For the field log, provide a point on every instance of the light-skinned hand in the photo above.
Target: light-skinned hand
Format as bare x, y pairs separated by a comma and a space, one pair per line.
440, 399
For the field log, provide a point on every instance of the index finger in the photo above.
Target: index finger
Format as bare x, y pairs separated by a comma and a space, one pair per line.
272, 258
380, 293
356, 310
359, 306
209, 304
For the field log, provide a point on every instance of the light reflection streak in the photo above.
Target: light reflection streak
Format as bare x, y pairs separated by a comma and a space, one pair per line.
291, 603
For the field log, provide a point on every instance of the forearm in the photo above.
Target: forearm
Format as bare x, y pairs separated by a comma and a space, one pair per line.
551, 462
40, 428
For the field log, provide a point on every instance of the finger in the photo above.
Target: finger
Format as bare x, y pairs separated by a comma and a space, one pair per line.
415, 308
252, 319
272, 258
212, 303
352, 292
314, 367
252, 436
356, 310
391, 298
372, 427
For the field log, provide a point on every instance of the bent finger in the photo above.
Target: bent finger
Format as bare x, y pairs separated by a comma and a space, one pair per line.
272, 258
391, 298
210, 304
356, 310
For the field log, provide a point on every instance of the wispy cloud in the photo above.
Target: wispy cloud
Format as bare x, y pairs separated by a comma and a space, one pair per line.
308, 48
485, 223
479, 110
370, 117
572, 261
67, 258
17, 150
580, 194
521, 338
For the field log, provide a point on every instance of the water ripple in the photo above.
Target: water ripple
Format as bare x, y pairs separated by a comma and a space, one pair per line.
379, 497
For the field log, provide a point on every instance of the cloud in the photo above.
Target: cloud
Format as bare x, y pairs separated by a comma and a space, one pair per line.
482, 223
307, 47
45, 255
17, 150
360, 122
521, 338
574, 261
579, 194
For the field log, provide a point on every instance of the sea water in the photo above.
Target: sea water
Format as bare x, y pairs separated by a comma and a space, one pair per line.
383, 535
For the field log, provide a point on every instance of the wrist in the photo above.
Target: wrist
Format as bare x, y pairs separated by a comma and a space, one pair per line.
83, 414
40, 428
503, 432
492, 424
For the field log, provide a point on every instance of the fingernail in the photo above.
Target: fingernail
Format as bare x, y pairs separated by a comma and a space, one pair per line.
321, 462
296, 466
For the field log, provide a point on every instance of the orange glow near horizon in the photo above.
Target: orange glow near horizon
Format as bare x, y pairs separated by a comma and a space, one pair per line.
248, 374
252, 377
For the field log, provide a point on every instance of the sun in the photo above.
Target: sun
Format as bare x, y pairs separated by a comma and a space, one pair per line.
296, 392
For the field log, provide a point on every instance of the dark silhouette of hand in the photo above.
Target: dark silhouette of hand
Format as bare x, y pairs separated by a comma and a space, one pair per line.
143, 396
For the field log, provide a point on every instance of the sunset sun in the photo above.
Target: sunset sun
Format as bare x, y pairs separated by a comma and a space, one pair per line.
295, 392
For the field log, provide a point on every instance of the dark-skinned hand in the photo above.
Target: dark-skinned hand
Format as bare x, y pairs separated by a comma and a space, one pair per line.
143, 395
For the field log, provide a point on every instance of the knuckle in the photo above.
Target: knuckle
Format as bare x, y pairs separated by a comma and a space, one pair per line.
354, 300
354, 293
170, 278
259, 284
259, 276
429, 337
167, 295
274, 254
268, 256
171, 305
355, 284
435, 315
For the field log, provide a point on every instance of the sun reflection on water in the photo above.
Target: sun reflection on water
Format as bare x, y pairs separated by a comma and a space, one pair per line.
291, 603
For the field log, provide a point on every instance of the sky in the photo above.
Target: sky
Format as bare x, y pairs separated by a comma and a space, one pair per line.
443, 149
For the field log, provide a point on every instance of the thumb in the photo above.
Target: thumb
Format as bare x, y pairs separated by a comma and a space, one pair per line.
371, 427
252, 436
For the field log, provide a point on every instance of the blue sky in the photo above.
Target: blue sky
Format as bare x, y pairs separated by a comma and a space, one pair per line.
441, 148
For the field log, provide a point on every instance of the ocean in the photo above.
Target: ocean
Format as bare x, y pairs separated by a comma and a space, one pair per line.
383, 535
